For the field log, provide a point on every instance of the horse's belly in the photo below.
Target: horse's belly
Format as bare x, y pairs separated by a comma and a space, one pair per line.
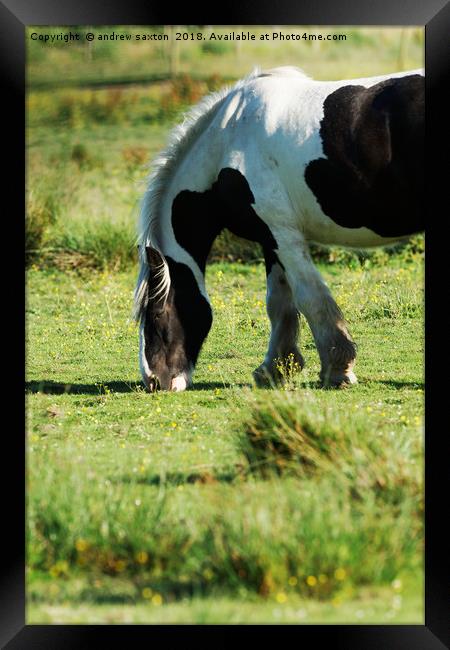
318, 227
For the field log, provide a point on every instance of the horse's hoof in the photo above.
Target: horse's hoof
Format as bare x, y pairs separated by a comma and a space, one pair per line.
279, 371
264, 378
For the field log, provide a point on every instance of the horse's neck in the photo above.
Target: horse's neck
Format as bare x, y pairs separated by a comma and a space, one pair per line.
188, 231
196, 220
172, 249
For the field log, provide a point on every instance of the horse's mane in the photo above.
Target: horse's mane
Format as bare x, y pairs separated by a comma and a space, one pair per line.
163, 167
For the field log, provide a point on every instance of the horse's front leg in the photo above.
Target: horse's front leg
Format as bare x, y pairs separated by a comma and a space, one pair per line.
283, 355
312, 297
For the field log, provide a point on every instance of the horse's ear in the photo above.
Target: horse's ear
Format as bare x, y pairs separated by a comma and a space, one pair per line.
154, 258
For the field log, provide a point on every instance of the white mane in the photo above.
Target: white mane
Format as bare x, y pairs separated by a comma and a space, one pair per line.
163, 167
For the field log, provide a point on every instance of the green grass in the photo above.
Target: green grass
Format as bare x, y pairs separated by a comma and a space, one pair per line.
151, 508
388, 605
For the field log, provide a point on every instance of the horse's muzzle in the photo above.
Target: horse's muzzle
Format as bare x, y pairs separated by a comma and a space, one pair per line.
175, 384
153, 384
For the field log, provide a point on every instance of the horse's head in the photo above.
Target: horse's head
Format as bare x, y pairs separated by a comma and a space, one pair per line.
173, 325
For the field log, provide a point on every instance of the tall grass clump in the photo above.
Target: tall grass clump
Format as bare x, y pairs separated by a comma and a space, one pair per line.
101, 245
45, 201
285, 436
41, 213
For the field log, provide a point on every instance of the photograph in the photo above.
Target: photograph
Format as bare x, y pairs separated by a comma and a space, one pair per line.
224, 372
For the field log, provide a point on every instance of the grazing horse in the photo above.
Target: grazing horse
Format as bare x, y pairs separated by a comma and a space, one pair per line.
282, 160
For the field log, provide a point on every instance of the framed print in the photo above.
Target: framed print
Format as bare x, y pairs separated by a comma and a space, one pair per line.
226, 339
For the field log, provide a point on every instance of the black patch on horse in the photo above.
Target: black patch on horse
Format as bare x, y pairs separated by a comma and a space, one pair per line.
192, 307
176, 328
271, 258
374, 142
198, 217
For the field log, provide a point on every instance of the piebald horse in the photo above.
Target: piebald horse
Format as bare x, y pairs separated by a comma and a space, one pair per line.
282, 160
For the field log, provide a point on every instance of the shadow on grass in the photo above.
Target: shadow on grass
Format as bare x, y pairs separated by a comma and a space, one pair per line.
392, 383
172, 586
212, 385
59, 388
182, 478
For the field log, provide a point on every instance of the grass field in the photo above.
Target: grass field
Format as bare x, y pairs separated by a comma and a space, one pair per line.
146, 507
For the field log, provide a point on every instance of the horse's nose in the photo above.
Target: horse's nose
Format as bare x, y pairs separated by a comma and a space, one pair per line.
153, 384
178, 383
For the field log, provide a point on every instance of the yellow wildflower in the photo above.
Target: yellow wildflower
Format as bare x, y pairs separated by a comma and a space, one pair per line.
157, 600
340, 574
81, 545
141, 557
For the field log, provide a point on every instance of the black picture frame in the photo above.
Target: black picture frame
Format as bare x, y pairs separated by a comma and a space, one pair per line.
15, 16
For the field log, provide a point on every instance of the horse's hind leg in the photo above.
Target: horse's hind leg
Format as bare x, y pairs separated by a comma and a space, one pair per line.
282, 356
313, 299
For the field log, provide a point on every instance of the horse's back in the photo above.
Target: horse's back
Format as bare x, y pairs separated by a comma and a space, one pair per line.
319, 158
342, 160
